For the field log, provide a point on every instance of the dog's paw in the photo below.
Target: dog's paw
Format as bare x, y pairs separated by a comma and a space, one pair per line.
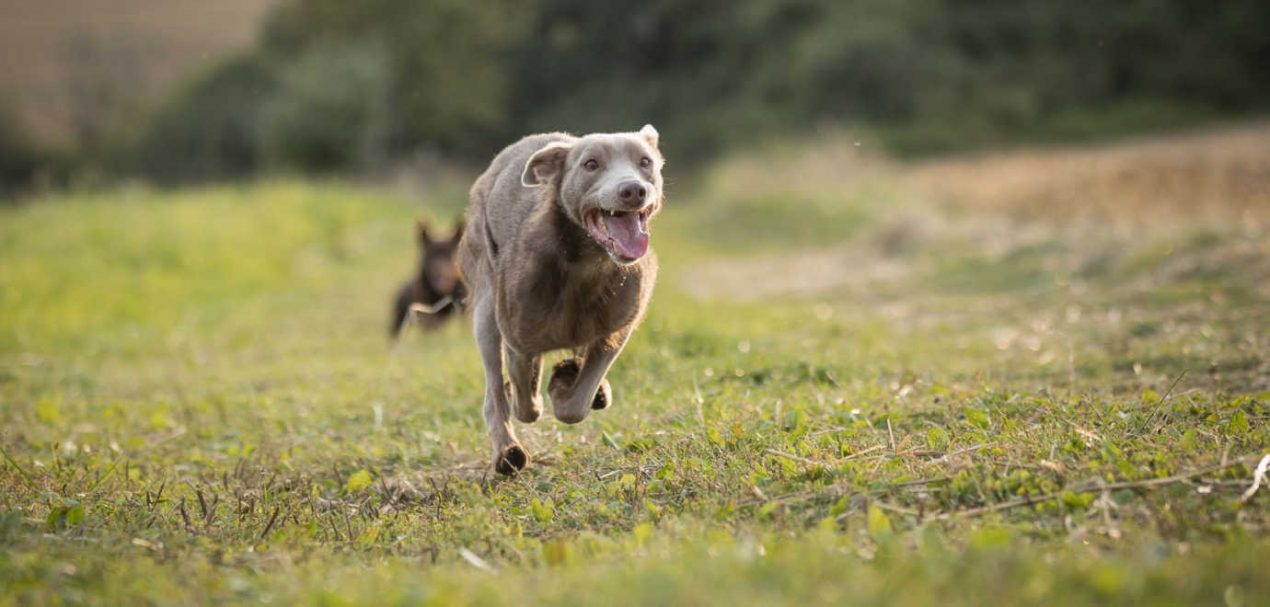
563, 376
512, 460
603, 396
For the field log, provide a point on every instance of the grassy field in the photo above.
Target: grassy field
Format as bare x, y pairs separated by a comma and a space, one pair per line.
859, 382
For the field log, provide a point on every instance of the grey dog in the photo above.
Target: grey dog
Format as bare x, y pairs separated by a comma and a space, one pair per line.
556, 256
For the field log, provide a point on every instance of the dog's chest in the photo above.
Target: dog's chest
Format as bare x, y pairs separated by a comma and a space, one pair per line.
565, 307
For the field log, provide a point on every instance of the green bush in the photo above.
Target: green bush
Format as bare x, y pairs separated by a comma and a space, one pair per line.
207, 129
939, 74
334, 84
328, 112
20, 159
447, 78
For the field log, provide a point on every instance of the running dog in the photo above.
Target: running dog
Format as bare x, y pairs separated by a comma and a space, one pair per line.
556, 256
436, 286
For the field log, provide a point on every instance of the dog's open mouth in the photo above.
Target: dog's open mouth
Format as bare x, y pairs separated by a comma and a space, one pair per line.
624, 234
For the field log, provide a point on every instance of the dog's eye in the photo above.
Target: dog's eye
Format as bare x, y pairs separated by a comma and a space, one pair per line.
591, 165
645, 162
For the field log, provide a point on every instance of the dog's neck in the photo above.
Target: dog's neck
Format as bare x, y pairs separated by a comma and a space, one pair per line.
575, 245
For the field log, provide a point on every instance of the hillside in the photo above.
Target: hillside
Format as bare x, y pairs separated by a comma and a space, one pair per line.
58, 51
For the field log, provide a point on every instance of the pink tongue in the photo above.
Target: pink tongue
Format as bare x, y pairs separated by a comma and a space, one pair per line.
625, 230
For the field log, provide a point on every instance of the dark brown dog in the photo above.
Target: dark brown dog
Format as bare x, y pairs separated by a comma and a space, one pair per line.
557, 257
436, 286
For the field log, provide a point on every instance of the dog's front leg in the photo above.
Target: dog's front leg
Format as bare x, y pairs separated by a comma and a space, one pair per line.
509, 457
526, 379
576, 389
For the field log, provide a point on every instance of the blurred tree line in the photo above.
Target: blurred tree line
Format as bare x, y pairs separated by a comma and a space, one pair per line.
334, 85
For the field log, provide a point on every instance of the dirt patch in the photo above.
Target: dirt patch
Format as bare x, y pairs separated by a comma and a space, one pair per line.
799, 274
1215, 175
1076, 208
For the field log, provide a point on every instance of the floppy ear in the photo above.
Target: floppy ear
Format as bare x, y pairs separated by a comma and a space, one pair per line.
421, 229
650, 134
545, 164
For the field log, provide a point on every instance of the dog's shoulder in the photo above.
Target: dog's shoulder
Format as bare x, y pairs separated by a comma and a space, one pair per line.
513, 157
503, 174
532, 143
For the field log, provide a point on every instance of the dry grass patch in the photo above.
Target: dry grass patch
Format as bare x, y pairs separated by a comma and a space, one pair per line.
1212, 175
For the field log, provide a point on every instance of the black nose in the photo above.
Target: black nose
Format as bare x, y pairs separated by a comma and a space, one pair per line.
632, 192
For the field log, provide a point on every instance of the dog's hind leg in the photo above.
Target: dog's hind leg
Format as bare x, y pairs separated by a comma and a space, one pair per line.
526, 379
509, 456
576, 389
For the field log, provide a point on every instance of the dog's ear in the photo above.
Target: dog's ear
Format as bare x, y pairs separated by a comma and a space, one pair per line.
650, 135
545, 164
458, 230
421, 231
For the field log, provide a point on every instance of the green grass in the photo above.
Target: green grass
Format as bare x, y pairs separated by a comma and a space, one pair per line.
200, 406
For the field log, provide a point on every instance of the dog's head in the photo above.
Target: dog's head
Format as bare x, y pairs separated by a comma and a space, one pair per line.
437, 258
608, 183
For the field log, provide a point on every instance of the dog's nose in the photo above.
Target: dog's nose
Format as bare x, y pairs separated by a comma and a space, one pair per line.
632, 192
